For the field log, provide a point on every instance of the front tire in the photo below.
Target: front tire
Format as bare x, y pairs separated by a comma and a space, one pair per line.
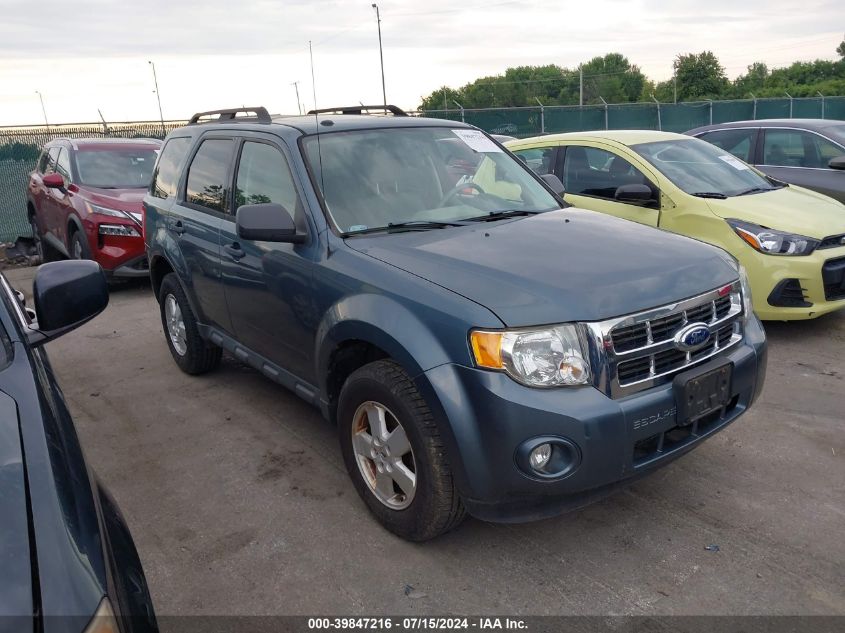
79, 248
395, 455
192, 353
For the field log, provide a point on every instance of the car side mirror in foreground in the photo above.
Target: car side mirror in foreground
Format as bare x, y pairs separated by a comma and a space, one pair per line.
53, 181
554, 183
634, 194
268, 222
837, 163
66, 294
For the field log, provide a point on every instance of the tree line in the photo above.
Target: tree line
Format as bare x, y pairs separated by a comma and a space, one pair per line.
613, 78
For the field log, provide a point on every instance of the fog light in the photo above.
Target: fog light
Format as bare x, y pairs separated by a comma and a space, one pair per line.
540, 456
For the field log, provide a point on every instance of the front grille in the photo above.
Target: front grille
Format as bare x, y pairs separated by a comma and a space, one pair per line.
833, 277
641, 350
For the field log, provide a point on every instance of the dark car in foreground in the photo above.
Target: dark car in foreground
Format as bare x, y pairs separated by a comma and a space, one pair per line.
67, 561
805, 152
84, 201
482, 346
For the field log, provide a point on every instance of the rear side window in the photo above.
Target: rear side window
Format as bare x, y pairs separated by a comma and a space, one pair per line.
264, 176
208, 175
166, 174
736, 142
795, 148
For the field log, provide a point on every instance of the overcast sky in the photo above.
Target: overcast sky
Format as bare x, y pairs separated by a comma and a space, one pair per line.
88, 54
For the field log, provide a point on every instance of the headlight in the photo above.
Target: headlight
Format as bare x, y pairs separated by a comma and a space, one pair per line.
103, 620
747, 307
122, 230
96, 208
773, 242
543, 357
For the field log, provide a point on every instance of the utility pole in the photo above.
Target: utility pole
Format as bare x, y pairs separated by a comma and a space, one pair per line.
580, 87
542, 116
605, 111
675, 85
822, 96
43, 110
158, 97
754, 115
295, 84
659, 122
381, 57
461, 109
711, 110
105, 125
790, 103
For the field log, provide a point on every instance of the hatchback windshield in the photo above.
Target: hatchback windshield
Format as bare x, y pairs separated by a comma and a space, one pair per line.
129, 168
700, 168
372, 179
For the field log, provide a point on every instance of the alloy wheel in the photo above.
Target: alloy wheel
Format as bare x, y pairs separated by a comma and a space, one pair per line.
384, 455
175, 325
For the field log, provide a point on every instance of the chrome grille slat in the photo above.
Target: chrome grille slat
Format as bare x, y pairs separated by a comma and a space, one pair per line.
639, 351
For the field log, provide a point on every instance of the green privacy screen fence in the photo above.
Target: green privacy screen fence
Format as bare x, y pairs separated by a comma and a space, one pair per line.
672, 117
20, 147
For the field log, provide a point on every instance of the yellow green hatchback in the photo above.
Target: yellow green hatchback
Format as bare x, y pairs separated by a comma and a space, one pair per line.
790, 240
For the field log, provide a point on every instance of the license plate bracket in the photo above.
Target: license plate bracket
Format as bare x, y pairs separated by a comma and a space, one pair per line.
700, 392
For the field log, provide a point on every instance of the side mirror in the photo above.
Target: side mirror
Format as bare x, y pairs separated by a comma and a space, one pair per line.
554, 183
634, 194
837, 163
53, 181
268, 222
66, 295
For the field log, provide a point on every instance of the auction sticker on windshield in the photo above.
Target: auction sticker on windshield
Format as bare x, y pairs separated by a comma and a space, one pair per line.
477, 141
734, 162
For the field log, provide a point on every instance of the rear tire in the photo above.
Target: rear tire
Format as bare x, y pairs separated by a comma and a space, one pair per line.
395, 455
192, 353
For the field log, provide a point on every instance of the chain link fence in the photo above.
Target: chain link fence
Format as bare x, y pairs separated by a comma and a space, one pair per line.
21, 146
671, 117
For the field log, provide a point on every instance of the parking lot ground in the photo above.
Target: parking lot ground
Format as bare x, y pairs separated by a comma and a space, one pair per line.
239, 503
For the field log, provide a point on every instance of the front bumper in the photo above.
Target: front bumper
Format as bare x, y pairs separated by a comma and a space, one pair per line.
814, 283
485, 417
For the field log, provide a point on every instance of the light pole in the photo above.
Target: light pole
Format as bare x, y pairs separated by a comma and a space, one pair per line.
381, 57
43, 110
158, 97
295, 84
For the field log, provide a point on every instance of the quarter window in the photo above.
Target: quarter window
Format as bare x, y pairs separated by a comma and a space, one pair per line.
736, 142
166, 174
264, 176
589, 171
208, 176
52, 159
795, 148
63, 165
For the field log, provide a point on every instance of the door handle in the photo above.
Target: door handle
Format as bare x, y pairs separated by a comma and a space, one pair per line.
235, 251
177, 227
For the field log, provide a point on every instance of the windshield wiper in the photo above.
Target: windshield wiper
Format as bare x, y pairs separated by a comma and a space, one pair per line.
754, 190
509, 213
709, 194
409, 225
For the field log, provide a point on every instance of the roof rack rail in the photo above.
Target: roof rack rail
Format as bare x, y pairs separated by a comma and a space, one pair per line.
360, 109
229, 115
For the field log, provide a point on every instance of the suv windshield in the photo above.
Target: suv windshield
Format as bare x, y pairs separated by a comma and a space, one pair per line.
700, 168
130, 168
427, 176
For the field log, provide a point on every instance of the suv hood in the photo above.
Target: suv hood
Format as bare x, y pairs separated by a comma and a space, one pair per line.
123, 199
793, 209
558, 266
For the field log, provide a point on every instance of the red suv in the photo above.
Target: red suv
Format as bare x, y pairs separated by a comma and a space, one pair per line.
84, 201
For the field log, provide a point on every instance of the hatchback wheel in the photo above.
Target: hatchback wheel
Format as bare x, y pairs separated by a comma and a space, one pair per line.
394, 454
192, 353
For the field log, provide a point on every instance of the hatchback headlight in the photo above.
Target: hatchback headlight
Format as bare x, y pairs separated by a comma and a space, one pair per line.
544, 357
773, 242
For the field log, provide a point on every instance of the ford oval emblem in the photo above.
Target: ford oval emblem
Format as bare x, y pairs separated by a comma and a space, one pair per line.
694, 336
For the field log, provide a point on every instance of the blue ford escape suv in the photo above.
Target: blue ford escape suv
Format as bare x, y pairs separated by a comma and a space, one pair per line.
481, 346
